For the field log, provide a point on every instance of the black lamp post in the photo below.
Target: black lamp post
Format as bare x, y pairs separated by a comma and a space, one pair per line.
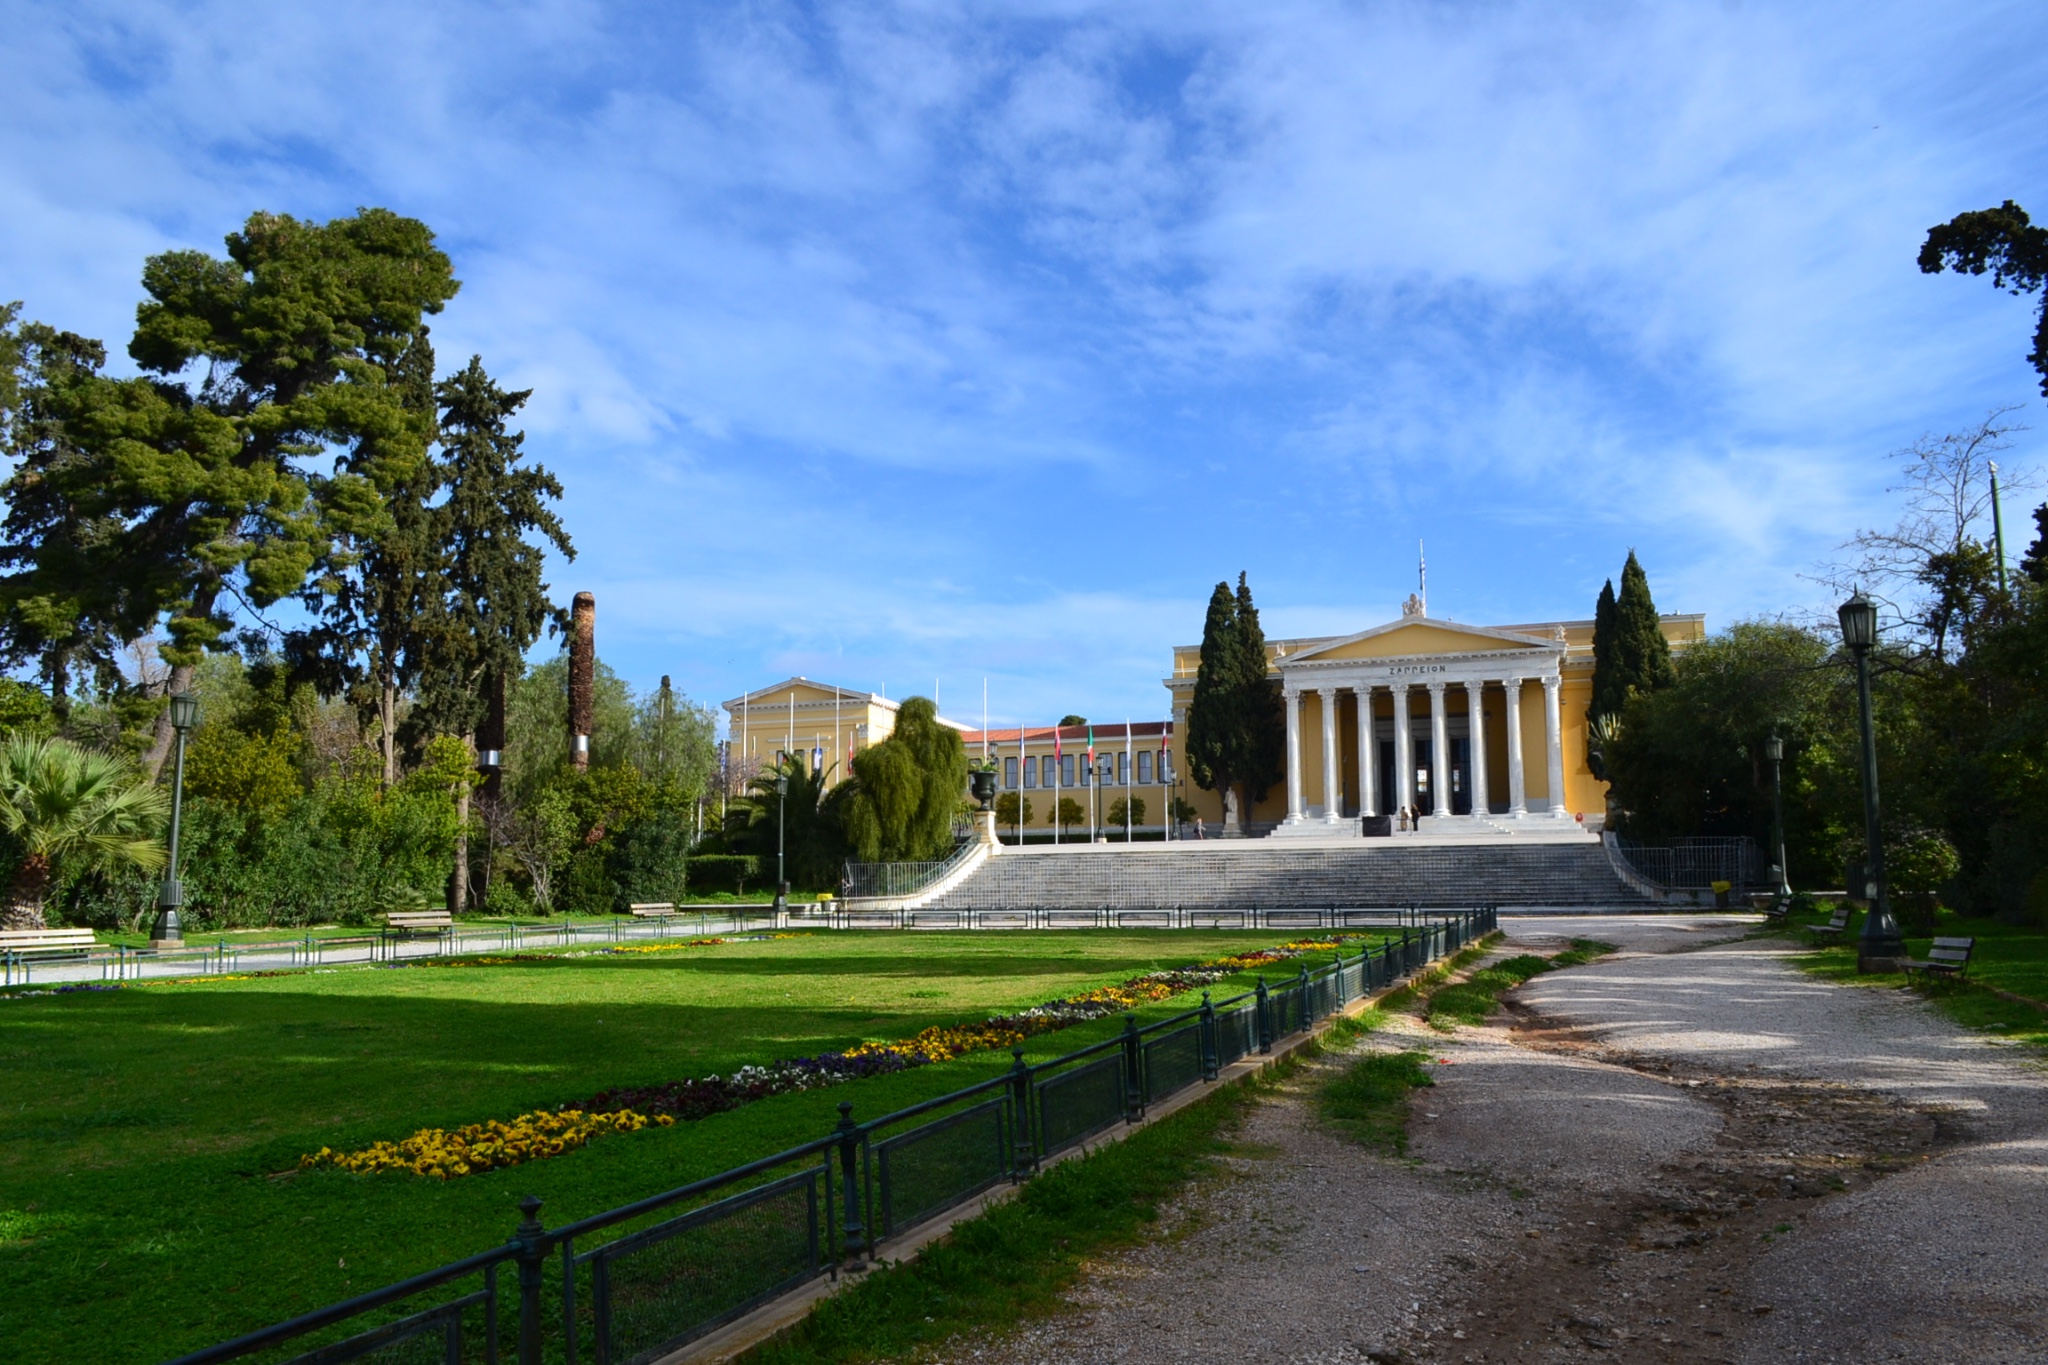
1774, 750
1881, 937
167, 932
781, 806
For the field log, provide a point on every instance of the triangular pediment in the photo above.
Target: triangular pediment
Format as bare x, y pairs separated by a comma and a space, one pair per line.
1421, 637
805, 692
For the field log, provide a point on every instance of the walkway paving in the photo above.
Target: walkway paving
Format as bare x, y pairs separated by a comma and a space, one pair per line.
1686, 1152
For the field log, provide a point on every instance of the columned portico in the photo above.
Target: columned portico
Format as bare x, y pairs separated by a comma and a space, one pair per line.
1518, 798
1457, 668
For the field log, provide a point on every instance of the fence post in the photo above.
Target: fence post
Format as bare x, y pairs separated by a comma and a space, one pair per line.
1265, 1013
1211, 1053
1023, 1150
849, 1179
1308, 1009
1134, 1075
532, 1240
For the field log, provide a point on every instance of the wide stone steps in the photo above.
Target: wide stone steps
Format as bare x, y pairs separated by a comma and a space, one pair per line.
1270, 875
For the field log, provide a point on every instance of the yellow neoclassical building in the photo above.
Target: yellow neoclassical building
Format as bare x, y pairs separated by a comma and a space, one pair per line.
1433, 716
1482, 724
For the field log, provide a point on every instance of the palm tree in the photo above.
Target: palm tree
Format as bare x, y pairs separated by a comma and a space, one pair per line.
811, 830
76, 808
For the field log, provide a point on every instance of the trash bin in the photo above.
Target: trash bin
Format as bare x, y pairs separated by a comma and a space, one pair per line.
1721, 890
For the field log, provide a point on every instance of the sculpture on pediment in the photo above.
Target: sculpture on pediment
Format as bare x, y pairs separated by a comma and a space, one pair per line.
1414, 606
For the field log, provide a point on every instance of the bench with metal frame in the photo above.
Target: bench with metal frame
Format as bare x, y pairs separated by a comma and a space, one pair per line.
1837, 925
1948, 957
34, 943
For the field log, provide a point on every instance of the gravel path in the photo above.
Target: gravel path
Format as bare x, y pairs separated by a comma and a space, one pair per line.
1667, 1155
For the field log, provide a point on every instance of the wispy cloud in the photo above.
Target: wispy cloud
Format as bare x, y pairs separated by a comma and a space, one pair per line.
928, 341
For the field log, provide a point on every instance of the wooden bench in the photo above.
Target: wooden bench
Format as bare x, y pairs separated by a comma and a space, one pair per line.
652, 909
1948, 957
47, 942
1838, 923
405, 923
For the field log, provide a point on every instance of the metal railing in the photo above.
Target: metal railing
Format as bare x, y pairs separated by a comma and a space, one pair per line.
864, 880
635, 1283
1696, 864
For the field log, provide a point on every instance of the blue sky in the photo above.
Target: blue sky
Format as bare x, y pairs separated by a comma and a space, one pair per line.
900, 343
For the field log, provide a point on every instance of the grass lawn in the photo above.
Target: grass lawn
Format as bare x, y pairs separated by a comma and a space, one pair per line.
142, 1130
2012, 958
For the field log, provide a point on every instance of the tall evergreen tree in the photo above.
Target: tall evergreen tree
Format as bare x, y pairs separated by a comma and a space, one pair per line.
266, 364
1641, 659
66, 603
380, 594
2035, 565
1608, 694
490, 601
1236, 731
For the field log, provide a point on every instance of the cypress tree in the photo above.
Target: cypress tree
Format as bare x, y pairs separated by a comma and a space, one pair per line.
2035, 565
1262, 720
1236, 732
1642, 656
1607, 694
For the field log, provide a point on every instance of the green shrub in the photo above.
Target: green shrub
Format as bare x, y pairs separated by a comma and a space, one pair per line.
729, 872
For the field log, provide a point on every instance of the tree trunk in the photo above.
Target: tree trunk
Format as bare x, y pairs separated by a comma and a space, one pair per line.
160, 745
387, 720
458, 890
60, 685
23, 908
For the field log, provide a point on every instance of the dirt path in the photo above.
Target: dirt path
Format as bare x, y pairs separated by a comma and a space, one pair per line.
1665, 1156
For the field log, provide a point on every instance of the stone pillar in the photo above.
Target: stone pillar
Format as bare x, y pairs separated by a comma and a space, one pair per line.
1404, 751
1294, 811
1439, 754
1475, 730
1333, 785
1518, 801
1553, 737
1368, 755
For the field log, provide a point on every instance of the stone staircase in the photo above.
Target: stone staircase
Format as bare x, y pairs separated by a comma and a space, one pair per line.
1230, 875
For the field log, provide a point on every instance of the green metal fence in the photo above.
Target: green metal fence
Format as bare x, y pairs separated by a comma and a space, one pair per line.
635, 1283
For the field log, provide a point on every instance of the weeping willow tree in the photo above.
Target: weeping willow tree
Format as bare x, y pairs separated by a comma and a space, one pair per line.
906, 790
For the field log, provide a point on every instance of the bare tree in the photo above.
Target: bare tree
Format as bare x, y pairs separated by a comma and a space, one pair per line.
1935, 572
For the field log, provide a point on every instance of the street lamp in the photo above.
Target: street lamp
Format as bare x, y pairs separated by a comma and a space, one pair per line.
167, 932
781, 882
1881, 937
1774, 750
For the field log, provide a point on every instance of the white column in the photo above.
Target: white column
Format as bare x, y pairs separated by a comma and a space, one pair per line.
1333, 786
1404, 751
1439, 754
1518, 803
1475, 731
1368, 754
1293, 757
1553, 736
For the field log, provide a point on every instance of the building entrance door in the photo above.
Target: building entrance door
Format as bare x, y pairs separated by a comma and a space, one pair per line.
1461, 776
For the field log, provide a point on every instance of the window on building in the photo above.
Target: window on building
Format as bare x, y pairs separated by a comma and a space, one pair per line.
1030, 772
1066, 770
1144, 767
1047, 777
1166, 767
1123, 769
1010, 773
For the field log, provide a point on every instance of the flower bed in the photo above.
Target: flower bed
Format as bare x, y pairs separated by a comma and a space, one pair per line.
487, 1146
448, 1153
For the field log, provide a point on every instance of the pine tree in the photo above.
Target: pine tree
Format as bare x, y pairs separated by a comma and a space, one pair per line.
65, 600
1641, 659
1261, 717
1607, 695
257, 369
